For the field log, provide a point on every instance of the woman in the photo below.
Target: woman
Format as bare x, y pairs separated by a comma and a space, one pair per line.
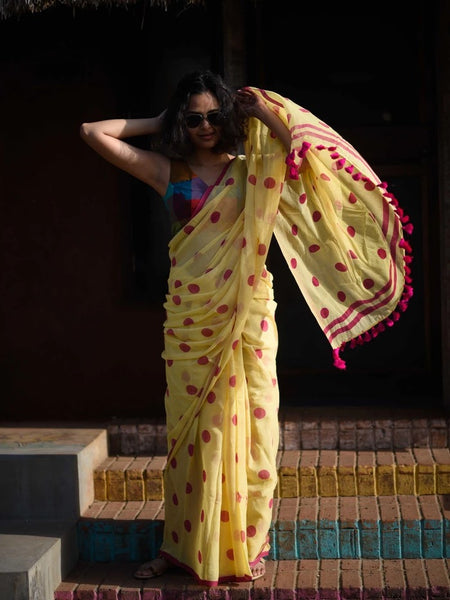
340, 232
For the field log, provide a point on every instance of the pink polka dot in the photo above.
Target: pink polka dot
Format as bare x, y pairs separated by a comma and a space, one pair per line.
176, 300
262, 249
193, 288
175, 537
202, 516
302, 198
314, 248
191, 449
251, 280
315, 282
263, 474
251, 531
204, 475
224, 516
173, 463
324, 312
199, 556
217, 370
206, 332
351, 231
206, 436
236, 457
368, 283
188, 229
191, 390
252, 179
230, 554
269, 182
340, 267
229, 181
187, 525
294, 229
352, 198
381, 253
316, 216
215, 216
271, 503
244, 242
238, 497
170, 332
184, 347
352, 254
173, 261
177, 283
242, 536
227, 274
222, 309
264, 325
264, 273
203, 360
188, 321
259, 413
293, 263
274, 381
188, 488
259, 353
169, 362
235, 344
175, 499
211, 397
341, 296
232, 381
234, 419
324, 176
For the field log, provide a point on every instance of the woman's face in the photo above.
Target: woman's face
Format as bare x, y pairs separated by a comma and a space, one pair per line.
204, 135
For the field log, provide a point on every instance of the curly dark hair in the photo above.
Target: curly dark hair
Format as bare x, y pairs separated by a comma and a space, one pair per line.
174, 134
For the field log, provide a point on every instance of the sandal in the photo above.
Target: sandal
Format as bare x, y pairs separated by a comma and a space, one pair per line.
153, 568
260, 566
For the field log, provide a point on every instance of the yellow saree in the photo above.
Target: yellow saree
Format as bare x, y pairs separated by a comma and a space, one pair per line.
342, 236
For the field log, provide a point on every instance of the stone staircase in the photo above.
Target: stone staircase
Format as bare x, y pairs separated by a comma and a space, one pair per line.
362, 511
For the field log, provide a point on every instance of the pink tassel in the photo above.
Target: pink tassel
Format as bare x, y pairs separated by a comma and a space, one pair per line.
334, 155
293, 173
350, 169
337, 360
340, 163
320, 147
357, 176
367, 337
304, 149
409, 228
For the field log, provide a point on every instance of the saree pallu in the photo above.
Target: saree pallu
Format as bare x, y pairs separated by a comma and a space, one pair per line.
341, 233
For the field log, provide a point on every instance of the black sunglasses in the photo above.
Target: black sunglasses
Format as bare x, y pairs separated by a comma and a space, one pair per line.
193, 120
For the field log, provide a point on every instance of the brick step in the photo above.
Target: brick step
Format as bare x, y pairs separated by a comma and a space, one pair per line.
313, 428
306, 473
371, 579
302, 528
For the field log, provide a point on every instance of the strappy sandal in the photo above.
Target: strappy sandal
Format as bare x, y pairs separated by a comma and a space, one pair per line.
153, 568
259, 564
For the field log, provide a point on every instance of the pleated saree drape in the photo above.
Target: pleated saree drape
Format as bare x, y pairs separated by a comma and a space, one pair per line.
342, 237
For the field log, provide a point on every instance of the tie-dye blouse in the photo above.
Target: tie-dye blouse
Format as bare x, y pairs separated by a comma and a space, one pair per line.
186, 193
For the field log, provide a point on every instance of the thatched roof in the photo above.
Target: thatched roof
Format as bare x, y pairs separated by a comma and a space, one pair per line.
9, 8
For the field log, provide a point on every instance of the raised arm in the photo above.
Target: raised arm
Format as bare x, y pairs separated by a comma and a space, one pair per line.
254, 106
106, 138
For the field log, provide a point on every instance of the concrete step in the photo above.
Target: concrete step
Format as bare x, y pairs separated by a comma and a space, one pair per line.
302, 528
371, 579
46, 482
46, 473
306, 473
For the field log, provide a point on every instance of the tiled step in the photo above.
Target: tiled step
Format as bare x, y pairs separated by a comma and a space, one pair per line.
371, 579
306, 473
313, 428
302, 528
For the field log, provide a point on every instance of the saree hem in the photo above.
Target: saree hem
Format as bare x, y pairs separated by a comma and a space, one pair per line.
211, 583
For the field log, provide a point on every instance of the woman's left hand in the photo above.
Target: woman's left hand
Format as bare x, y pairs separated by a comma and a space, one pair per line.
250, 103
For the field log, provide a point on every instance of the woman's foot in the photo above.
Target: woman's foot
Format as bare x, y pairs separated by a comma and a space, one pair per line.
153, 568
258, 570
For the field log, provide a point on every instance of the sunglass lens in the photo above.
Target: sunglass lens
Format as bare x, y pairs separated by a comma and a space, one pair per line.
213, 118
193, 121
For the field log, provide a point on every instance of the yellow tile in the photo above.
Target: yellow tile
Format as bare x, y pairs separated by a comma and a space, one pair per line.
308, 483
116, 486
443, 479
100, 488
365, 480
404, 476
327, 480
385, 481
346, 481
425, 479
